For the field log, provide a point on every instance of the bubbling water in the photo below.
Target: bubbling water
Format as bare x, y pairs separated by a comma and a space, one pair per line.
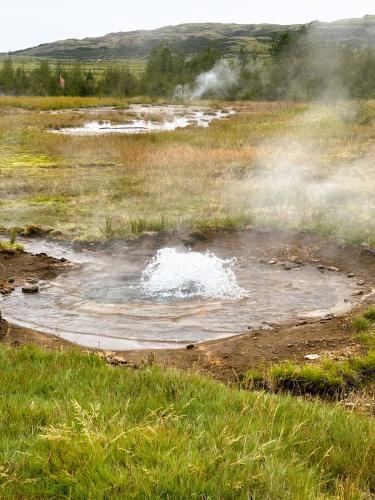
185, 275
115, 301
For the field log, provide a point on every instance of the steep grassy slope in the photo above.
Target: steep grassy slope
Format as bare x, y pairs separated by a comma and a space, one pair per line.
189, 38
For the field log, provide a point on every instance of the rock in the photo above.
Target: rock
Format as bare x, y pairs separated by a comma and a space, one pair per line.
320, 267
225, 356
32, 281
350, 275
312, 357
287, 268
189, 347
197, 236
357, 293
273, 324
30, 289
117, 360
148, 236
290, 345
361, 282
272, 262
63, 259
333, 269
367, 250
11, 280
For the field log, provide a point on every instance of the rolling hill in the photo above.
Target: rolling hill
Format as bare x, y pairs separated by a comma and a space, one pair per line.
189, 38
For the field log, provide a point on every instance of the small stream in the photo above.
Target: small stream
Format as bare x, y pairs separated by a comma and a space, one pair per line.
171, 297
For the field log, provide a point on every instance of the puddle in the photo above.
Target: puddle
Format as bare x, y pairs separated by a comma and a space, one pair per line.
105, 303
140, 119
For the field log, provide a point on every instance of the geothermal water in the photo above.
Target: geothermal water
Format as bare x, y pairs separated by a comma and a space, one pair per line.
173, 274
148, 119
171, 297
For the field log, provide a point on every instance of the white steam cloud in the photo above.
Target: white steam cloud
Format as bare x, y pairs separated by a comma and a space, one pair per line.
308, 179
217, 82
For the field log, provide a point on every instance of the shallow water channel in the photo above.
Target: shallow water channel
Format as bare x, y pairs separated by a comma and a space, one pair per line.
141, 299
139, 119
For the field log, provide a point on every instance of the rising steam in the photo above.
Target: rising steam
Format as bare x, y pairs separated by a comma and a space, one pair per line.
302, 180
218, 82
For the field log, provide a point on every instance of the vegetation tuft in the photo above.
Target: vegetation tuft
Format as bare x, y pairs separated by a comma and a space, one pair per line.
327, 379
11, 246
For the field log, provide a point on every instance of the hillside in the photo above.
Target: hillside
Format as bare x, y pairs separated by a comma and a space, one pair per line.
189, 38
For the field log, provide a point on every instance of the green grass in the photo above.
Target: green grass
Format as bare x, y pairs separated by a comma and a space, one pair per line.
10, 247
118, 227
361, 324
135, 65
369, 314
73, 427
328, 378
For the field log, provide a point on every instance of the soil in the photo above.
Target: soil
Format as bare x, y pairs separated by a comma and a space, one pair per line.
227, 359
15, 269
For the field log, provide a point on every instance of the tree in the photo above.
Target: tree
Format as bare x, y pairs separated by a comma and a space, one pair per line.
7, 77
42, 81
165, 70
21, 81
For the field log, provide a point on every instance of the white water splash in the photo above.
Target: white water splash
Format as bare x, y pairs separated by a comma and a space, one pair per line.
190, 274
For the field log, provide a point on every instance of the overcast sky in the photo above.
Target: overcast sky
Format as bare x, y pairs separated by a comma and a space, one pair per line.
25, 23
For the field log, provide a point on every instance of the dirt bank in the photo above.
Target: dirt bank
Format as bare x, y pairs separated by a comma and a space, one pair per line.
15, 269
226, 359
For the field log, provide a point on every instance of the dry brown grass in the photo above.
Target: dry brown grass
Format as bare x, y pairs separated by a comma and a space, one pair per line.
186, 176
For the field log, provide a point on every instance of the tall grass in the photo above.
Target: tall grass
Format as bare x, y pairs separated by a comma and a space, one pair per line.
73, 427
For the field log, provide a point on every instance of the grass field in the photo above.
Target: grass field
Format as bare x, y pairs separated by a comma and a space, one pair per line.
280, 164
73, 427
136, 66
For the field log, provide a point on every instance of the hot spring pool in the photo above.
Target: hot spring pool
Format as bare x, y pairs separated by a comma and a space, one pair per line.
171, 297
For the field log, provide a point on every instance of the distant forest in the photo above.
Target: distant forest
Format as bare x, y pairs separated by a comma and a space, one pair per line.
300, 67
